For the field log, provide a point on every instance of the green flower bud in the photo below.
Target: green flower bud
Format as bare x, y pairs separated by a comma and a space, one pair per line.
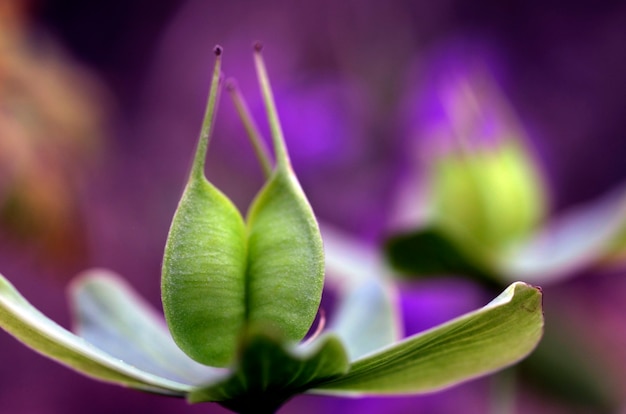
221, 273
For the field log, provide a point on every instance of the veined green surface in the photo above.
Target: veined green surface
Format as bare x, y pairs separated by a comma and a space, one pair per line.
203, 284
286, 262
220, 274
476, 344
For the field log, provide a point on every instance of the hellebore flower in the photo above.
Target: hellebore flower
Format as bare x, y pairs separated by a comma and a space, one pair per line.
239, 296
483, 216
484, 207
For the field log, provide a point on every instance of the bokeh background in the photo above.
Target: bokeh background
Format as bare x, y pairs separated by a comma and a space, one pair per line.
101, 103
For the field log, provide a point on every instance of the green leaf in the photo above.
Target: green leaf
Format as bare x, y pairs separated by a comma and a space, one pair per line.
476, 344
35, 330
269, 372
429, 251
111, 316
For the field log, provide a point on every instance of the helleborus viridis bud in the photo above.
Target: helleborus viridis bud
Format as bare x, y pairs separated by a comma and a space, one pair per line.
222, 273
487, 195
485, 204
484, 185
483, 192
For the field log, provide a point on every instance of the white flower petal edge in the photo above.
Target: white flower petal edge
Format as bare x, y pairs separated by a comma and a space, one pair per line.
20, 319
109, 314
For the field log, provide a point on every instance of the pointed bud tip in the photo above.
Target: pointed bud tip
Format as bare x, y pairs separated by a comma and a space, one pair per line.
218, 50
258, 46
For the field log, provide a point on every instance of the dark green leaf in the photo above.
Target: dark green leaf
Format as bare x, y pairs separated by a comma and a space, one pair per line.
269, 373
429, 251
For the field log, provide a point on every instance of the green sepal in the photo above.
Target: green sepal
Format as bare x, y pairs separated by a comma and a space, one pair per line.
35, 330
478, 343
429, 251
269, 372
110, 315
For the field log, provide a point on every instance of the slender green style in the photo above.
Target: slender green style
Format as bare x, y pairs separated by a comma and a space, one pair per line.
260, 149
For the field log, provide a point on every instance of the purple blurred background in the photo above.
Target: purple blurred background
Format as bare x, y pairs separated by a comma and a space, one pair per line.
347, 77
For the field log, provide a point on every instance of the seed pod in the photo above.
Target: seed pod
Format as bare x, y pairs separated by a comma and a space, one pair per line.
204, 265
220, 275
286, 270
